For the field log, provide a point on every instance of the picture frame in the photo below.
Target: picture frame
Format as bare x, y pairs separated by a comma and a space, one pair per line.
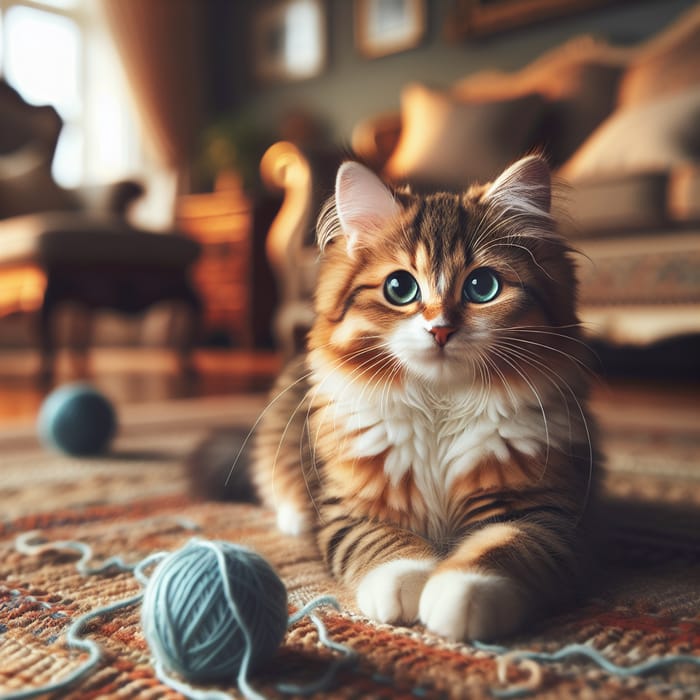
384, 27
290, 40
475, 18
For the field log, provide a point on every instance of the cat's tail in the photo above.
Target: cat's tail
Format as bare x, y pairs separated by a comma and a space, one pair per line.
219, 468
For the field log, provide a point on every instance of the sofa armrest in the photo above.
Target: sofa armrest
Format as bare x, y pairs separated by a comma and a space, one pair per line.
374, 139
285, 167
306, 176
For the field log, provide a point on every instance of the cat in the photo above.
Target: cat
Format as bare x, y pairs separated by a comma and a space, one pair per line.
435, 435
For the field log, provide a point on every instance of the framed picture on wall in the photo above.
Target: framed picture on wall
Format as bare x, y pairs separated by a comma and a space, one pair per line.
384, 27
289, 39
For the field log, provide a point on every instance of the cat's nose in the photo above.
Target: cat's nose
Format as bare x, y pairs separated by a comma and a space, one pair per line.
442, 334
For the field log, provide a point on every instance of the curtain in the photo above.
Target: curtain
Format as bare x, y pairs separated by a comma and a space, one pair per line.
161, 45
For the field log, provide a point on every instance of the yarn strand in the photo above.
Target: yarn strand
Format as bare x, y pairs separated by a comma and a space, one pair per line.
32, 544
75, 641
349, 656
24, 545
535, 657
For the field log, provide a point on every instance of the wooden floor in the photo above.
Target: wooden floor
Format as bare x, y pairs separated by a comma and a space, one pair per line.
148, 375
129, 376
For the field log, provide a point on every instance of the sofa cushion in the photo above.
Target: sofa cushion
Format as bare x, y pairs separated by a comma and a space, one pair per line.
451, 143
634, 202
134, 249
667, 64
654, 136
53, 238
656, 270
579, 81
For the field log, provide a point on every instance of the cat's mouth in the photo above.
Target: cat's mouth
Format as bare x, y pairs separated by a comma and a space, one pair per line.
436, 363
440, 360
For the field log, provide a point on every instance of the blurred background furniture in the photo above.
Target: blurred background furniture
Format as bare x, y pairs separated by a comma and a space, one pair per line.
221, 222
306, 175
77, 246
621, 125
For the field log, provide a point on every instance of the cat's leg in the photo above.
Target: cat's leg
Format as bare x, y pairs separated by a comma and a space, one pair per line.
285, 479
501, 576
388, 566
283, 471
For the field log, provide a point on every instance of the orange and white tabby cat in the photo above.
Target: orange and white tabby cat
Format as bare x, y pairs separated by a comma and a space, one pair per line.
435, 436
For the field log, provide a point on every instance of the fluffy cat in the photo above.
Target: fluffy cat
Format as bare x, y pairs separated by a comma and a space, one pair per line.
435, 436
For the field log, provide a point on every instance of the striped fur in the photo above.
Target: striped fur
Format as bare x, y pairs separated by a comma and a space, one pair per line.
447, 481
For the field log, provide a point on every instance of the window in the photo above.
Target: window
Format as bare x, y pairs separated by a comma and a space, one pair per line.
59, 52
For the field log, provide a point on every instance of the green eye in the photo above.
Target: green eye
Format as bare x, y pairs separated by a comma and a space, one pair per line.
481, 286
401, 288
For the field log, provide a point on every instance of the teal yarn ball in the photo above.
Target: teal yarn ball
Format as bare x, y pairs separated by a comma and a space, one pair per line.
211, 608
77, 419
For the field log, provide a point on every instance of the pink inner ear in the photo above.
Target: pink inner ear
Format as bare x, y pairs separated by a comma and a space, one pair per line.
363, 202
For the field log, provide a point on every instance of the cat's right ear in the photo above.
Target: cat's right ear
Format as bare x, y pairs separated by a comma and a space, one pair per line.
364, 204
525, 186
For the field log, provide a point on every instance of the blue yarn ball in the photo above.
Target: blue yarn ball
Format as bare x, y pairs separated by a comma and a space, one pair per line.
209, 603
77, 419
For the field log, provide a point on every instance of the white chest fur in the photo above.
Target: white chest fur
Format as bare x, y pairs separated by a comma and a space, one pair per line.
435, 438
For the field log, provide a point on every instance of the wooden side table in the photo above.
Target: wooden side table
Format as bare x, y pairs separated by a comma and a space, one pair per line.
221, 221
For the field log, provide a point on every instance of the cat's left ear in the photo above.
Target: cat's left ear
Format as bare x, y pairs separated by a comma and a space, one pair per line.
363, 202
526, 186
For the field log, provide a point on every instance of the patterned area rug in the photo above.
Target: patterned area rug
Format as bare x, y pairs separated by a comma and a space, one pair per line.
645, 603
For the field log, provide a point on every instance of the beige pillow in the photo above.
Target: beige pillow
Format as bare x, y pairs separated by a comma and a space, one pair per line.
667, 64
652, 137
579, 80
451, 143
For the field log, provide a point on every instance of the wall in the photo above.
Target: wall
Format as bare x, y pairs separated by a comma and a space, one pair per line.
353, 87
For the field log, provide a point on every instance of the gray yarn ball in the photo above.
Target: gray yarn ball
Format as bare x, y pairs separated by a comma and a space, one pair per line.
212, 606
77, 419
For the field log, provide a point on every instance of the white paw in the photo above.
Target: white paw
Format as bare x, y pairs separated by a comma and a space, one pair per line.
391, 591
291, 520
460, 605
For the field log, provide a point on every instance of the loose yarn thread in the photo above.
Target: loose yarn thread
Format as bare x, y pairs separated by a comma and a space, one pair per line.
74, 640
531, 660
154, 597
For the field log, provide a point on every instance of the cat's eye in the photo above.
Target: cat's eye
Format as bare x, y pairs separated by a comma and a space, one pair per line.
482, 285
401, 288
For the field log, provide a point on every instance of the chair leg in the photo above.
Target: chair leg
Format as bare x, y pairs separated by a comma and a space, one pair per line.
80, 337
192, 328
47, 350
188, 338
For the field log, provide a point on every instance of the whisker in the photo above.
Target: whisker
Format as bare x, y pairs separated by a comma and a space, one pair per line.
535, 393
262, 415
545, 369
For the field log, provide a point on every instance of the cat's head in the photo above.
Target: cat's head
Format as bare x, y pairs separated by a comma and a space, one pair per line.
443, 288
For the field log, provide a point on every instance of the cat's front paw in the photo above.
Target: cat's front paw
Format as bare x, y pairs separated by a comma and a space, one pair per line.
460, 605
291, 520
391, 592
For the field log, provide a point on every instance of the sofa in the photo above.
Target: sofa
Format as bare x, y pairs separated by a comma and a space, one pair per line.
621, 129
63, 246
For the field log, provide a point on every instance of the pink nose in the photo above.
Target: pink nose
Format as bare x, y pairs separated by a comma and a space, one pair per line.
442, 334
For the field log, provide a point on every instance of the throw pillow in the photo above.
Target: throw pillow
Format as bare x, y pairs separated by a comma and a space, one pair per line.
668, 64
451, 143
652, 137
579, 80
